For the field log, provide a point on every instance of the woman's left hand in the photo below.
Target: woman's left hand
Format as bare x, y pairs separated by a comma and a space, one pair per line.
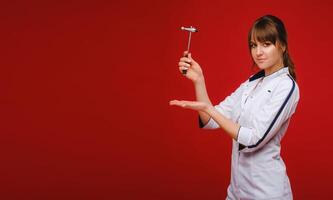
194, 105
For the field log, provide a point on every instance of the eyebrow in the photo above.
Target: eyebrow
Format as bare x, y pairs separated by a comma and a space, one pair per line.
254, 42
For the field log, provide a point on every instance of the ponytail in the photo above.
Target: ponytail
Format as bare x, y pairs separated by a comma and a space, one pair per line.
287, 61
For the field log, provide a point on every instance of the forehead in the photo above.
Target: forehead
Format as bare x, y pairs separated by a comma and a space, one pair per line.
264, 34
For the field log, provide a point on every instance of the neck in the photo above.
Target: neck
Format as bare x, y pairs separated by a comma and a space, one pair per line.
273, 69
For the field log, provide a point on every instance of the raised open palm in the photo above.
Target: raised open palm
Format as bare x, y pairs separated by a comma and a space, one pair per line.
194, 105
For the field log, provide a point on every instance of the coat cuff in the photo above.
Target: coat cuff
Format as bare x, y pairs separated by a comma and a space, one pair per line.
244, 136
211, 124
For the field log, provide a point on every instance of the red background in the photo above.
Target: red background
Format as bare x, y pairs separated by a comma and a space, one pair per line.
85, 87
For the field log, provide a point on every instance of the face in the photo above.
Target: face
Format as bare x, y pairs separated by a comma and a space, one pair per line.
266, 55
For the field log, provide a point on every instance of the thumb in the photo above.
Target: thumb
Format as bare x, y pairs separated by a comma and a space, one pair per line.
190, 57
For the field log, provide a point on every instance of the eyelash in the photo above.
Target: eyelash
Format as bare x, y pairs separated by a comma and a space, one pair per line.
265, 44
253, 45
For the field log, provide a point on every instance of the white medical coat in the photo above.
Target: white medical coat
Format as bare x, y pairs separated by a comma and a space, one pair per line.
262, 106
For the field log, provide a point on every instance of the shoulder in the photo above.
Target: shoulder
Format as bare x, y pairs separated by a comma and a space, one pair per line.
286, 81
288, 86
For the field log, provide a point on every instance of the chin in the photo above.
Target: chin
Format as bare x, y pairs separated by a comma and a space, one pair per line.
261, 66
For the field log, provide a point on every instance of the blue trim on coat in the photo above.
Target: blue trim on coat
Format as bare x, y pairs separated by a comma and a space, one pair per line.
241, 146
257, 75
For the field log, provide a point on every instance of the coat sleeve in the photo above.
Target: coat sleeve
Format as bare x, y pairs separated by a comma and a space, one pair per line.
226, 107
270, 118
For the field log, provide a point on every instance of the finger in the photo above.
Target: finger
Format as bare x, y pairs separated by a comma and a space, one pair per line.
181, 69
185, 53
190, 57
185, 59
173, 102
178, 103
184, 64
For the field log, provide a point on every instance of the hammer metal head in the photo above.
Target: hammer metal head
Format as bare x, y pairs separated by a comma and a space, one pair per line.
190, 29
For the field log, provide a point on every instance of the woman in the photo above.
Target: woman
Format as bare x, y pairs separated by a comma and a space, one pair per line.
256, 115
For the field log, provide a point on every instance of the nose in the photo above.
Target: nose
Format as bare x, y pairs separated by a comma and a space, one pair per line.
259, 51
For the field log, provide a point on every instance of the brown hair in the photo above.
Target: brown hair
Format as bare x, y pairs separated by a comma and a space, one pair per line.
270, 28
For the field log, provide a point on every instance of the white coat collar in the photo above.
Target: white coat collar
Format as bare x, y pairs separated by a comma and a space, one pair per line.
261, 73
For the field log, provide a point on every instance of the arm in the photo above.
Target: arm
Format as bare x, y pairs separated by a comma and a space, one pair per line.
195, 74
226, 124
271, 117
202, 96
267, 121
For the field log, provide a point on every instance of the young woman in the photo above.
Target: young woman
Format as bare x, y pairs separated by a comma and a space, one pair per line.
256, 115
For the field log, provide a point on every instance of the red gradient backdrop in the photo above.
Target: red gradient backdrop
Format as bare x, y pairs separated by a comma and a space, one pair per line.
85, 86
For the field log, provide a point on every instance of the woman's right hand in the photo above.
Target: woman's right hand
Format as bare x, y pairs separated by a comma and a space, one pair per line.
193, 69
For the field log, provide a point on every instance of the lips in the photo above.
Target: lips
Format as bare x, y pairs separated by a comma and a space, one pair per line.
260, 60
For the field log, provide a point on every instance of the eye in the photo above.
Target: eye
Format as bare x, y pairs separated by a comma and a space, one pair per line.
266, 44
252, 45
